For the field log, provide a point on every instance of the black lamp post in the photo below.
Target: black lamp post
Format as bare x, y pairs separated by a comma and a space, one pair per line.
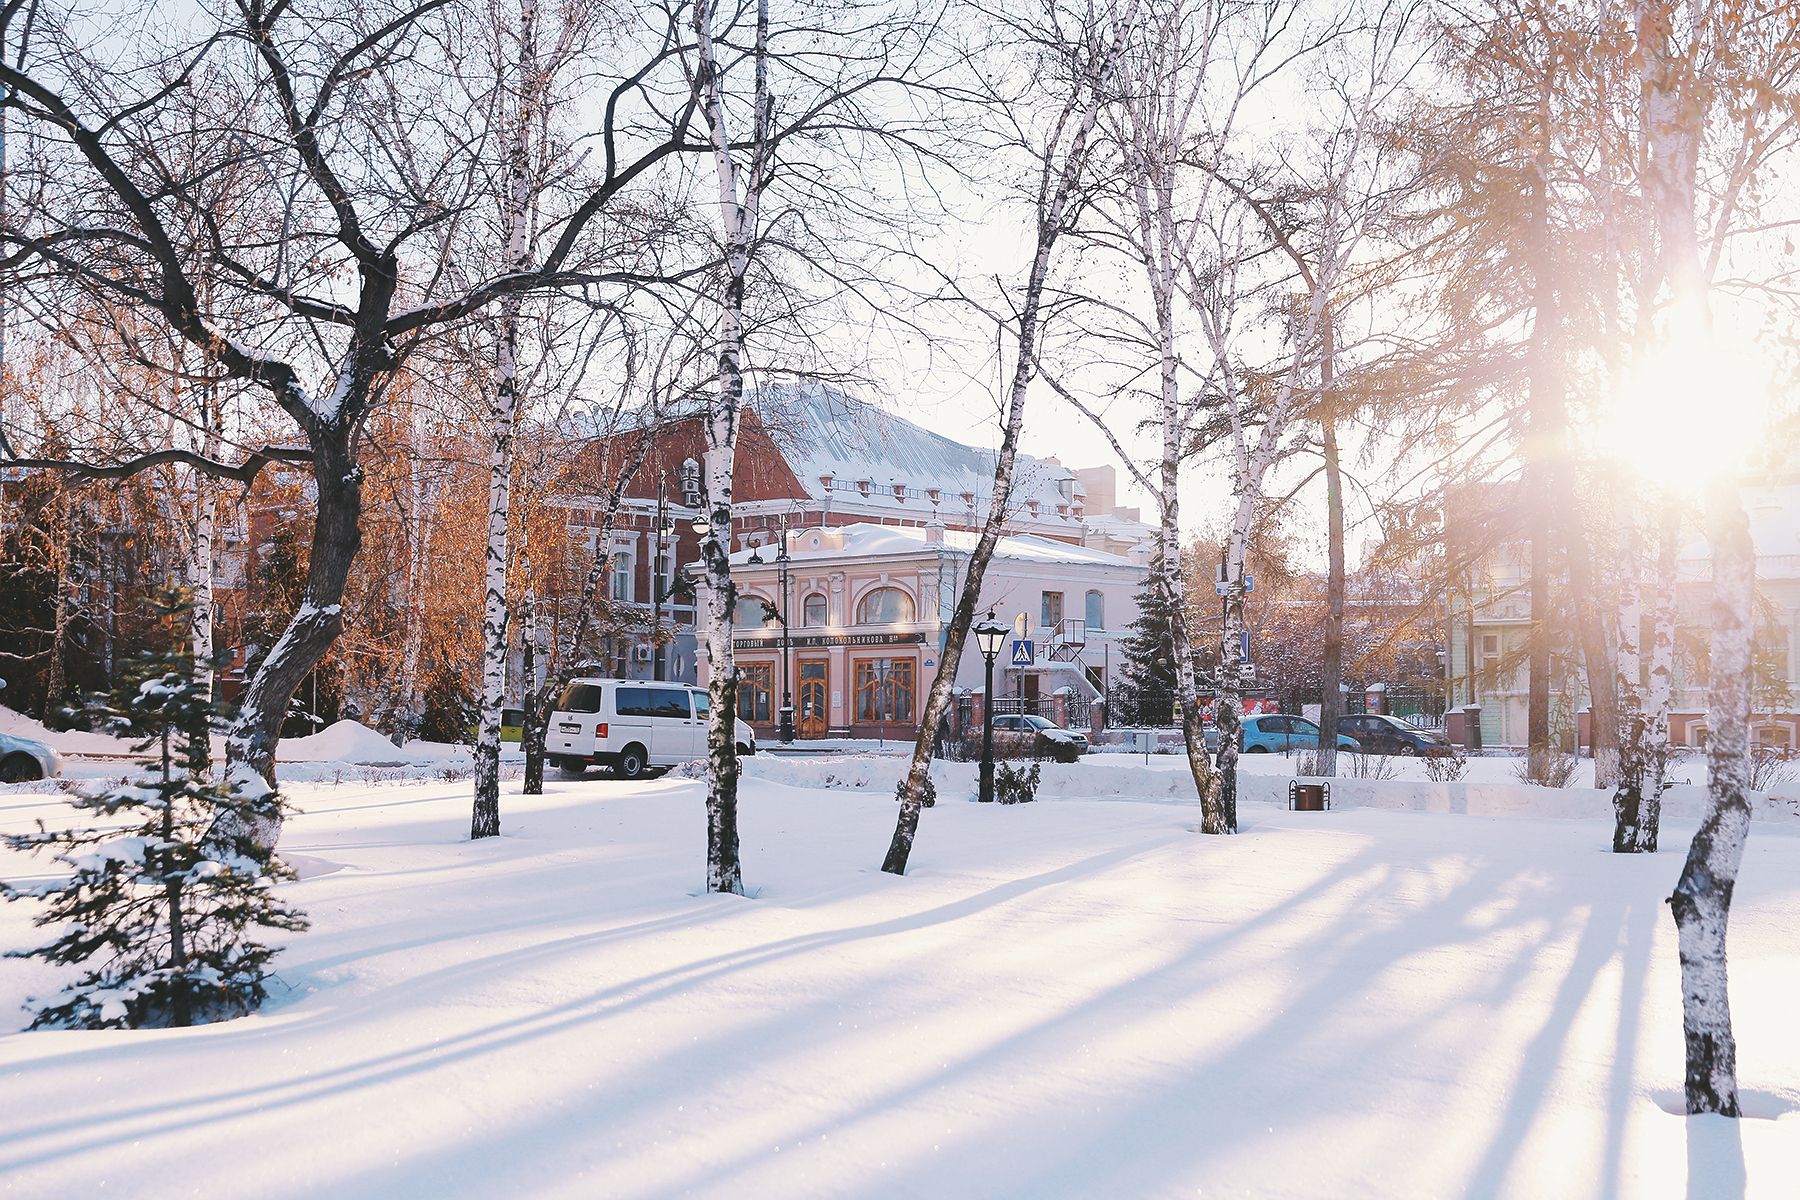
782, 560
990, 635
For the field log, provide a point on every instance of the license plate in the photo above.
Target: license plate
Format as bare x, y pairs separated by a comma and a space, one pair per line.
568, 728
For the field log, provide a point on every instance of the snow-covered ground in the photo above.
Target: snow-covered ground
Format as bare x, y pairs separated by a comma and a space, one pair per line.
1074, 998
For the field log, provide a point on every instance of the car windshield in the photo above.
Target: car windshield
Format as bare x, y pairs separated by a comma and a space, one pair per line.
1040, 723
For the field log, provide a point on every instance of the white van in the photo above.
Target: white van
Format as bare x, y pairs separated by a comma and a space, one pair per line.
630, 726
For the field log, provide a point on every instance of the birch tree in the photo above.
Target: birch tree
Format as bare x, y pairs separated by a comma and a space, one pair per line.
517, 205
1078, 51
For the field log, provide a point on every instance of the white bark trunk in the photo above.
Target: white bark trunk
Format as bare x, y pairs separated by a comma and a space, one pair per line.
1659, 688
1702, 899
740, 194
1060, 183
485, 821
1628, 797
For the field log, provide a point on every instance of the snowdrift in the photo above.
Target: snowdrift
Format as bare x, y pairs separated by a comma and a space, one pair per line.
1111, 779
344, 741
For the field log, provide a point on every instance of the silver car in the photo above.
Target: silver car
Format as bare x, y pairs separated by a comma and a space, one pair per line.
23, 760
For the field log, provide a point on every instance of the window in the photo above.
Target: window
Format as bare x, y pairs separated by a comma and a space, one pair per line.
756, 687
635, 702
670, 702
621, 576
1096, 609
751, 611
660, 584
884, 606
812, 612
1051, 610
702, 704
581, 698
1302, 725
884, 690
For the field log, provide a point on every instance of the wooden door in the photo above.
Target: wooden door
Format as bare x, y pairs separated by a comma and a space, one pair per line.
814, 713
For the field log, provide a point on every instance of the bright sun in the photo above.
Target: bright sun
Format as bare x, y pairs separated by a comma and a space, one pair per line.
1692, 410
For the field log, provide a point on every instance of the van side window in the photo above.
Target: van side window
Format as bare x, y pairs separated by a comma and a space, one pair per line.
670, 702
636, 702
581, 698
702, 704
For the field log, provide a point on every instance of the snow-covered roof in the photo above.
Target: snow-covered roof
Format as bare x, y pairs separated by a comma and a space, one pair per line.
865, 451
869, 540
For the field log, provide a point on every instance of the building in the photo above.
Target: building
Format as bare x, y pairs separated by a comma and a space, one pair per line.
813, 458
867, 607
1488, 623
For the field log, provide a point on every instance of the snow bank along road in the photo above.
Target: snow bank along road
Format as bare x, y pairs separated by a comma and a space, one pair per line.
1077, 998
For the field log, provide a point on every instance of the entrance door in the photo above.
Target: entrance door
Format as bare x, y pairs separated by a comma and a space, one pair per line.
814, 715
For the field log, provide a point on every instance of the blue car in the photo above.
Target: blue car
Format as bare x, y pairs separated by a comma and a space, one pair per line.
1277, 733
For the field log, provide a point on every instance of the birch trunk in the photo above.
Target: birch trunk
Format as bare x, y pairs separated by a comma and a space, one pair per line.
531, 731
1702, 899
1628, 796
740, 194
1659, 690
485, 820
1057, 191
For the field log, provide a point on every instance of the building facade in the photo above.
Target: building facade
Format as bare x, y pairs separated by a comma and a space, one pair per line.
1488, 625
867, 607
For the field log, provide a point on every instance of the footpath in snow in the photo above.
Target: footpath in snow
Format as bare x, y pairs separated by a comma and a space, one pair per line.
1076, 998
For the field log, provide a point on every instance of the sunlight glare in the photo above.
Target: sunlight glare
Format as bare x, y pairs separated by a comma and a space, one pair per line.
1689, 412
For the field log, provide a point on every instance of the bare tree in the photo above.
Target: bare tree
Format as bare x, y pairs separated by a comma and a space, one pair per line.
352, 261
1077, 51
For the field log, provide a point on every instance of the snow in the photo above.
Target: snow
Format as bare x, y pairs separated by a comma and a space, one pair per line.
824, 431
342, 741
864, 540
1081, 997
67, 742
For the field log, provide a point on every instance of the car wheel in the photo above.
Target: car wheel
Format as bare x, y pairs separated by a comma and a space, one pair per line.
20, 768
631, 763
1256, 750
569, 768
1408, 750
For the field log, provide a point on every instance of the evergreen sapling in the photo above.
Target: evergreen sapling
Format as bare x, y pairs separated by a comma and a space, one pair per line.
159, 911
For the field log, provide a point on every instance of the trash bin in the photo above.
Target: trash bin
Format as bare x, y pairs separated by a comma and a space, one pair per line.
1309, 796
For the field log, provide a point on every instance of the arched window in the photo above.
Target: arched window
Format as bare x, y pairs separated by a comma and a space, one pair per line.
752, 612
884, 606
812, 612
1096, 609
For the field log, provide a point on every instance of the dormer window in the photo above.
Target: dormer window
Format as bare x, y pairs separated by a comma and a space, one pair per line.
825, 481
865, 485
933, 494
1033, 506
899, 491
968, 499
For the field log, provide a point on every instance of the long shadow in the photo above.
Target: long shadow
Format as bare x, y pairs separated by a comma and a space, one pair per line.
1715, 1159
1621, 1093
502, 1035
773, 1036
1599, 941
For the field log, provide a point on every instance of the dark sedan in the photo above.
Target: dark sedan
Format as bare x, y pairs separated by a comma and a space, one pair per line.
1378, 734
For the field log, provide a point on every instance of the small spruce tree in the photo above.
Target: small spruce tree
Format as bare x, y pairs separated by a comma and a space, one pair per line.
158, 911
1145, 691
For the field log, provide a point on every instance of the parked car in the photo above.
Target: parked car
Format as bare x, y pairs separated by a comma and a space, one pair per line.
22, 760
1036, 737
512, 726
1381, 734
630, 726
1276, 733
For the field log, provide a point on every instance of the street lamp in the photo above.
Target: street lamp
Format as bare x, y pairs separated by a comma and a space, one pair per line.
786, 730
990, 635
